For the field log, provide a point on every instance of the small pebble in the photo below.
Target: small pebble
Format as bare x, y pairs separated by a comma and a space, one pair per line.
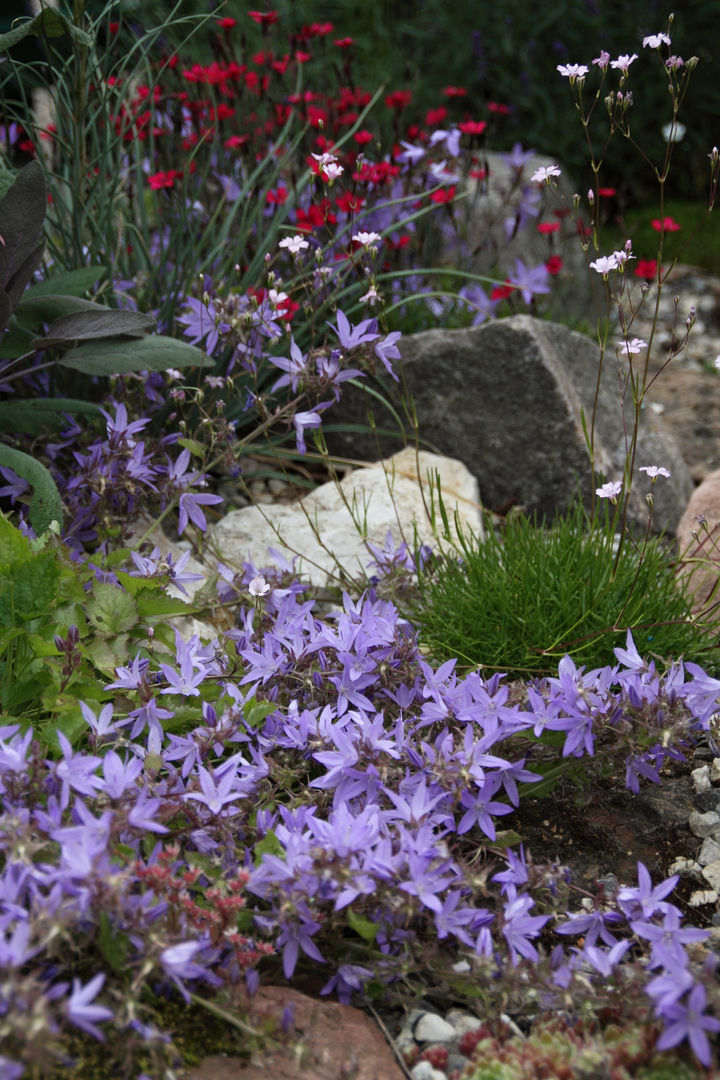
709, 852
689, 867
715, 770
707, 800
430, 1027
702, 896
704, 824
701, 778
425, 1071
711, 873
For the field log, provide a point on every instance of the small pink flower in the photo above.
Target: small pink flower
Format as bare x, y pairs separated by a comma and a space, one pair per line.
602, 60
604, 265
541, 176
654, 471
623, 62
631, 348
573, 71
654, 41
610, 491
258, 586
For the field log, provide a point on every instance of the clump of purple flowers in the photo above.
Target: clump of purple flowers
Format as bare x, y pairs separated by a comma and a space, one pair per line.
331, 780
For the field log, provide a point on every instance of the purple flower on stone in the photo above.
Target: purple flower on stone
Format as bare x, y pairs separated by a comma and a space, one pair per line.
351, 336
386, 350
304, 420
190, 503
644, 901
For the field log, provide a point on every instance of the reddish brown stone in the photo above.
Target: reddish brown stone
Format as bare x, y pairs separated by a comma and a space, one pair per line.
329, 1042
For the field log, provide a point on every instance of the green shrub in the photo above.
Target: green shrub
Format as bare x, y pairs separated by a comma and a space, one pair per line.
522, 601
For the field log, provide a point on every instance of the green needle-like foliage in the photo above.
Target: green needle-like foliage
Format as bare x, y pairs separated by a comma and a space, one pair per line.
521, 600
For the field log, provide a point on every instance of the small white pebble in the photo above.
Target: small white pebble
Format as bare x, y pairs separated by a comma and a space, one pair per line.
711, 873
432, 1028
715, 770
425, 1071
709, 852
701, 778
702, 896
689, 867
704, 824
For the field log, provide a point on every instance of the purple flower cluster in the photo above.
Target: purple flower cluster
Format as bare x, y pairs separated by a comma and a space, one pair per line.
333, 779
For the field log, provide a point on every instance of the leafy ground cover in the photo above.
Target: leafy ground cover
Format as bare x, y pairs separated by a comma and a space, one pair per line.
297, 795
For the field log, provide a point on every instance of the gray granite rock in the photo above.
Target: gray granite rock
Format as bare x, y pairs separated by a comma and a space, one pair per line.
506, 399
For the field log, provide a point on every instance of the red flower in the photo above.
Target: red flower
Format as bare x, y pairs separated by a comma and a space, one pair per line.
472, 127
503, 110
226, 24
317, 29
164, 179
501, 292
288, 308
554, 265
478, 174
435, 117
646, 268
349, 203
344, 42
363, 137
444, 195
236, 141
113, 27
546, 227
264, 18
666, 225
454, 91
606, 192
399, 99
277, 197
302, 57
317, 117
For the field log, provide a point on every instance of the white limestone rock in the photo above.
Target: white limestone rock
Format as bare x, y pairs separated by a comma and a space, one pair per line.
325, 528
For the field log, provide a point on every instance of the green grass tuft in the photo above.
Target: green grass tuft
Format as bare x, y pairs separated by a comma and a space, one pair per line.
520, 602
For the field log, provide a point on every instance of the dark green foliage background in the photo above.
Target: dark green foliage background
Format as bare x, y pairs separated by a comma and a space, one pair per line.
509, 53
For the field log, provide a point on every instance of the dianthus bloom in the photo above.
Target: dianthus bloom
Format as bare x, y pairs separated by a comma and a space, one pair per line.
654, 41
541, 176
623, 62
610, 491
573, 71
654, 471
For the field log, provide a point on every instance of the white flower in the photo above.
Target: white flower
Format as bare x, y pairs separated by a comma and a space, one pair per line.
610, 491
602, 59
654, 41
258, 586
370, 296
604, 265
630, 348
367, 238
573, 71
622, 256
654, 471
673, 132
294, 244
276, 297
324, 159
333, 171
540, 176
623, 62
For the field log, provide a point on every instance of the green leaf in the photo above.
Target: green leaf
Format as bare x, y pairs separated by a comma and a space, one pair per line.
269, 845
49, 23
86, 325
108, 653
30, 589
255, 712
119, 355
193, 446
46, 504
113, 944
33, 415
13, 545
33, 310
362, 926
16, 341
110, 609
73, 283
